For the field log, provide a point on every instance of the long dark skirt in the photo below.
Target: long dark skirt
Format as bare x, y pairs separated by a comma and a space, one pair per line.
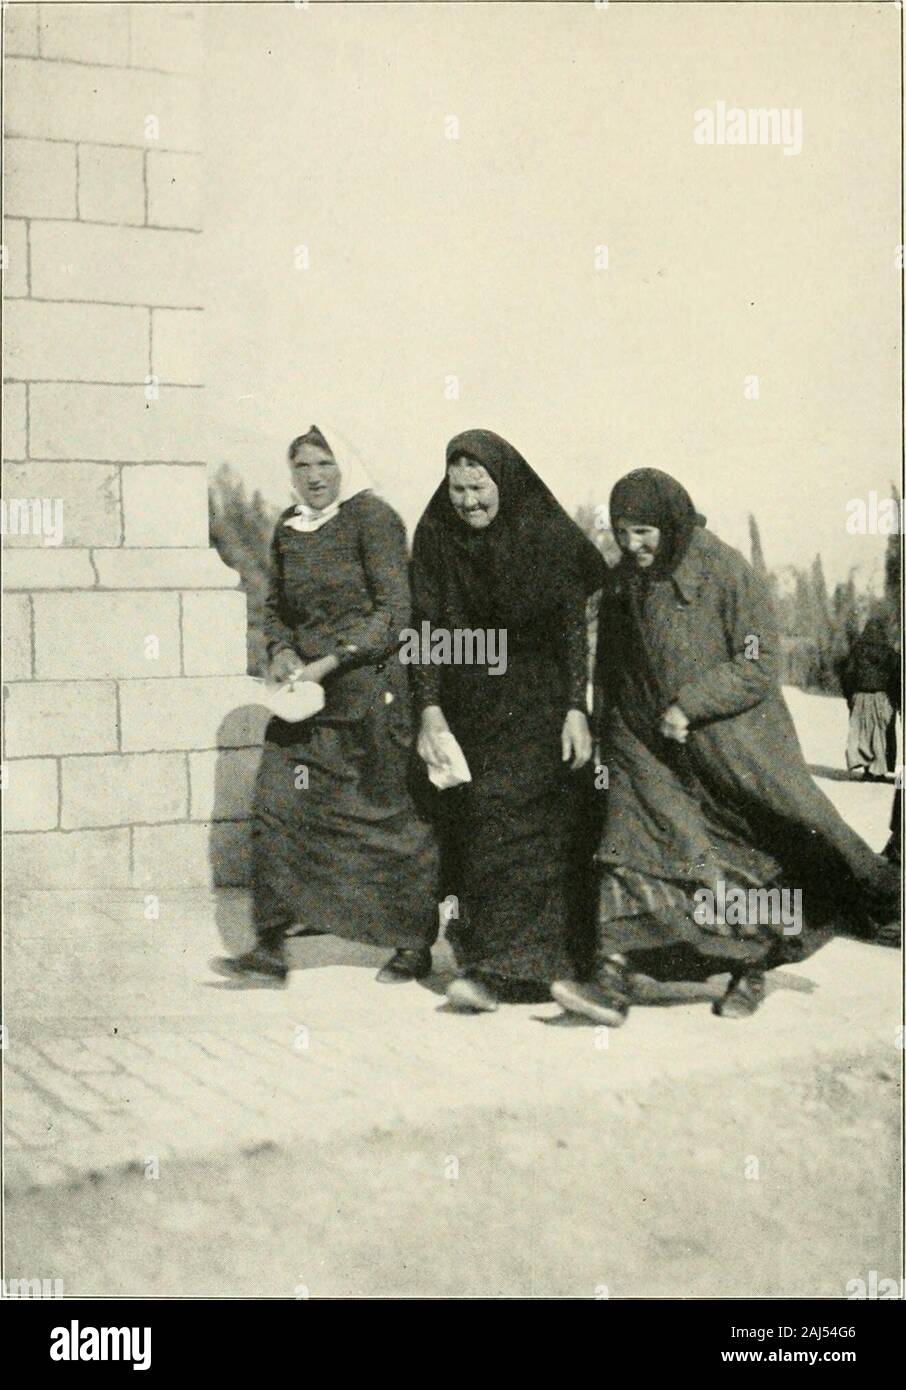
337, 843
670, 832
657, 925
517, 842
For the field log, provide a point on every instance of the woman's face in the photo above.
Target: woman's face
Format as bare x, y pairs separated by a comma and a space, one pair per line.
316, 477
473, 492
641, 542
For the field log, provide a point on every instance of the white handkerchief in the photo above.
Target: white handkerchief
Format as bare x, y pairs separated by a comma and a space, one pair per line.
294, 702
456, 772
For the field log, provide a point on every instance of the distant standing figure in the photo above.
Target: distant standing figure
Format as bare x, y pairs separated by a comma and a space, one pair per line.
871, 684
337, 843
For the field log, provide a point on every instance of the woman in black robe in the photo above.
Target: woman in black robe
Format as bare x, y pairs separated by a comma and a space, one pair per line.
494, 550
710, 801
337, 843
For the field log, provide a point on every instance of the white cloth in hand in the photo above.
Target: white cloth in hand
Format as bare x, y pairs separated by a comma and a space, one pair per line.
294, 702
456, 770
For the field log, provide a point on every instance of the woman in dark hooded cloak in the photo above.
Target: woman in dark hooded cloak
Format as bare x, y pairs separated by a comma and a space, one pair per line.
495, 551
711, 810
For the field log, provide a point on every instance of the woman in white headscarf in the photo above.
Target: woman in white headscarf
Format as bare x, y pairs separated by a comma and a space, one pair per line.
338, 845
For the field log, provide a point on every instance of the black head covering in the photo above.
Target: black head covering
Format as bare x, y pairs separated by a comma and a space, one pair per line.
527, 559
874, 634
648, 497
516, 481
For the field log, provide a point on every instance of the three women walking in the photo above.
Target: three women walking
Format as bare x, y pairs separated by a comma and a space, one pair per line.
709, 800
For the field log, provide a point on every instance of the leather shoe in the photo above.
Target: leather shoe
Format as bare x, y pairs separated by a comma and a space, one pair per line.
256, 967
408, 963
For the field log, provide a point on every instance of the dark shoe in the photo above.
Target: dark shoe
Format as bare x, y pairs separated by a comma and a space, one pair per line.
471, 995
262, 966
605, 999
743, 996
408, 963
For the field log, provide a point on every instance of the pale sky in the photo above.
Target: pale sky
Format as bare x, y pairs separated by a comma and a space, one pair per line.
475, 257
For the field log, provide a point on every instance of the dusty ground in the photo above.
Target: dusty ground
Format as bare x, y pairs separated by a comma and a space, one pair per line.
777, 1184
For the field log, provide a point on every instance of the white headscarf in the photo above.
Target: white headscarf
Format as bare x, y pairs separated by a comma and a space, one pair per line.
353, 480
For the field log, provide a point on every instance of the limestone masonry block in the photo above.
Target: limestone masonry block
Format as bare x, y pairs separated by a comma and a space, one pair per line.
107, 106
223, 783
16, 625
20, 29
168, 38
50, 568
178, 348
89, 494
171, 856
86, 33
68, 859
15, 276
15, 434
193, 712
165, 506
119, 265
111, 184
106, 634
46, 717
117, 423
163, 569
31, 799
174, 189
39, 179
76, 342
117, 790
214, 627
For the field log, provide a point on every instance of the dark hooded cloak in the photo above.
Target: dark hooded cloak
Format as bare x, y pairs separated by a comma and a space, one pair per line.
511, 838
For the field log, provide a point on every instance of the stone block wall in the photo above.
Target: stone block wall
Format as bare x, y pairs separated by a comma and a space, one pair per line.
130, 730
